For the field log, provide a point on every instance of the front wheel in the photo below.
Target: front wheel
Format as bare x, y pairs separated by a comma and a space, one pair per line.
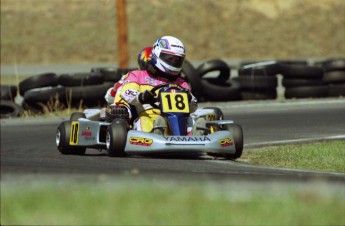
116, 138
63, 135
237, 135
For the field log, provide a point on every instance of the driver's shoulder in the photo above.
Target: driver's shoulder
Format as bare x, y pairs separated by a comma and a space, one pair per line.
137, 76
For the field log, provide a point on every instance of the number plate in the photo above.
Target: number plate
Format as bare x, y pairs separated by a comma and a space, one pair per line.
174, 102
74, 133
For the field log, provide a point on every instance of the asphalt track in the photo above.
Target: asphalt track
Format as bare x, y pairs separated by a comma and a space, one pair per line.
28, 145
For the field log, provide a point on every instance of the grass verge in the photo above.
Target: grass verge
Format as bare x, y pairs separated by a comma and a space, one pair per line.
165, 203
325, 156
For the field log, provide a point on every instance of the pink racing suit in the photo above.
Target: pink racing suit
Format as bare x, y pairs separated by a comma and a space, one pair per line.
138, 81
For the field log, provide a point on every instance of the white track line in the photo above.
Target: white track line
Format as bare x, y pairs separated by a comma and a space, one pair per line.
294, 141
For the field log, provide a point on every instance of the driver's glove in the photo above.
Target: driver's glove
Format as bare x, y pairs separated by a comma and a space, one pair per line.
146, 97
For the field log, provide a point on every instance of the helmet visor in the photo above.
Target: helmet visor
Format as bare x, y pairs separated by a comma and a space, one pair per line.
172, 60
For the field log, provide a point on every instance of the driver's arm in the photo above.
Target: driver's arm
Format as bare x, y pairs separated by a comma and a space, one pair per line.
132, 93
129, 93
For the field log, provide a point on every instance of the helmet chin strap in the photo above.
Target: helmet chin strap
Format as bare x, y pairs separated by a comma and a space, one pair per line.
153, 70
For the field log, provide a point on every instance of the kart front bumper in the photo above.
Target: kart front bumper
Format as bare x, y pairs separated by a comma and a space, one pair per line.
149, 143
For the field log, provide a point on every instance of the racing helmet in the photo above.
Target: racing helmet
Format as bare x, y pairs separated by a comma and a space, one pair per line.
168, 54
144, 57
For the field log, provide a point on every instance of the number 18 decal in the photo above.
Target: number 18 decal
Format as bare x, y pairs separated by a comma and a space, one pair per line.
74, 133
175, 102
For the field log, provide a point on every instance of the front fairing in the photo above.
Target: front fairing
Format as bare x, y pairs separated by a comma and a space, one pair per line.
177, 123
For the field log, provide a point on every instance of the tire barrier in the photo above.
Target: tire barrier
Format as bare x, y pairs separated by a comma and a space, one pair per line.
210, 81
43, 99
228, 91
336, 90
334, 76
9, 109
110, 74
38, 81
307, 92
289, 83
215, 82
192, 76
8, 92
332, 64
266, 68
80, 79
258, 80
215, 66
295, 71
257, 87
323, 79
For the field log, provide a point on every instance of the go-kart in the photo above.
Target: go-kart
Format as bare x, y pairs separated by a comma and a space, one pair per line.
221, 138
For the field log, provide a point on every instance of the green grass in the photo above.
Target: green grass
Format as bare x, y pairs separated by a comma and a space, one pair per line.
324, 156
166, 203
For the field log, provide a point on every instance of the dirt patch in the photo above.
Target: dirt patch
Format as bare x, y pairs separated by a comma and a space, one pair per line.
63, 31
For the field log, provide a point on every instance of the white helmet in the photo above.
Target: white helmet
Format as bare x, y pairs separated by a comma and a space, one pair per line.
168, 55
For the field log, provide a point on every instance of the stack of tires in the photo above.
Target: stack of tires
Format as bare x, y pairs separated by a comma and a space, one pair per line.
334, 76
303, 81
190, 74
8, 107
258, 81
216, 85
49, 92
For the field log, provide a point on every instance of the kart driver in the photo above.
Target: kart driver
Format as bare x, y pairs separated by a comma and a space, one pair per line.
165, 65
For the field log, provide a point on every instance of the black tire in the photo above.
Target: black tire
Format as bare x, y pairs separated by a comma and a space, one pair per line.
215, 66
90, 96
45, 94
190, 74
38, 81
110, 74
8, 92
77, 115
301, 71
334, 77
306, 92
337, 90
237, 133
63, 134
293, 62
80, 79
333, 64
289, 83
116, 138
33, 108
9, 109
257, 82
259, 94
122, 71
218, 111
229, 92
269, 68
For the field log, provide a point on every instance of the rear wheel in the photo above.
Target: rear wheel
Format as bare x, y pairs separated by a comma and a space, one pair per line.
116, 138
77, 115
237, 135
62, 140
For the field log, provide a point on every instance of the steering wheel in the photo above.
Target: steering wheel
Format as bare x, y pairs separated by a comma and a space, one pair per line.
154, 89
